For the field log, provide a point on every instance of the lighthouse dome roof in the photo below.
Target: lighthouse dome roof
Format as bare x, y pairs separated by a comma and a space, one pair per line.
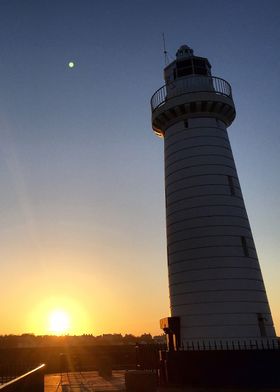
184, 51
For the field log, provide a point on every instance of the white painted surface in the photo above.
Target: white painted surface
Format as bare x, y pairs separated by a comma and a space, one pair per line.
216, 286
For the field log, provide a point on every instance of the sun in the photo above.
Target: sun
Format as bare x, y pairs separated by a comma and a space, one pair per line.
59, 322
58, 315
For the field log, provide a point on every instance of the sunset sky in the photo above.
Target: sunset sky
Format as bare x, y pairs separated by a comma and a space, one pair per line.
82, 223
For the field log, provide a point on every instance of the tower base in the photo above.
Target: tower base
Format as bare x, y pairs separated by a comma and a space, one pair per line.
221, 368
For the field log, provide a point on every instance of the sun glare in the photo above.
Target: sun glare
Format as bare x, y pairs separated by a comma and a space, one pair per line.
58, 316
59, 322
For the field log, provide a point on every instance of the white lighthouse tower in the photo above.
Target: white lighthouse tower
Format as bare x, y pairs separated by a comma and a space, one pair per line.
217, 294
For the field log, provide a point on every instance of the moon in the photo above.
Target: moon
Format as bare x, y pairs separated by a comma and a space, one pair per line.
71, 64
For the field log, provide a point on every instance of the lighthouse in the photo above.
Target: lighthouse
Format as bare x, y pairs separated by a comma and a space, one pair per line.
217, 294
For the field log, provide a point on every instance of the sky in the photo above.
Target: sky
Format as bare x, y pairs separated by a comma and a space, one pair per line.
82, 223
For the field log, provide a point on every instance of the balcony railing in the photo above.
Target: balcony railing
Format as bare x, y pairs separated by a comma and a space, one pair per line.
190, 84
32, 381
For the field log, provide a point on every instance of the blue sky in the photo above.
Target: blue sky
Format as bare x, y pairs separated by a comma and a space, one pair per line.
81, 172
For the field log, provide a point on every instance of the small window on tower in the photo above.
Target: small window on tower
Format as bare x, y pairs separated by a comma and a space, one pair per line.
168, 261
231, 185
245, 246
261, 321
186, 124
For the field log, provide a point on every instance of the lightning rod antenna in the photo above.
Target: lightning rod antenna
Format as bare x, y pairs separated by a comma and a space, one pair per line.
164, 50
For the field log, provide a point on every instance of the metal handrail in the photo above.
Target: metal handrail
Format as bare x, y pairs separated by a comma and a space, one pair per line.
190, 84
272, 344
16, 383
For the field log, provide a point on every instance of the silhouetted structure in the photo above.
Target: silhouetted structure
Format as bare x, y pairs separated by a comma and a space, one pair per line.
32, 380
218, 299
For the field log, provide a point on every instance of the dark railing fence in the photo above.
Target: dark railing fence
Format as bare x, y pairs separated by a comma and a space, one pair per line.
32, 381
190, 84
263, 344
148, 355
141, 356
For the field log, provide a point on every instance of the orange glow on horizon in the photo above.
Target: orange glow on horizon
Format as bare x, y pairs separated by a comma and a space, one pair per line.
58, 316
